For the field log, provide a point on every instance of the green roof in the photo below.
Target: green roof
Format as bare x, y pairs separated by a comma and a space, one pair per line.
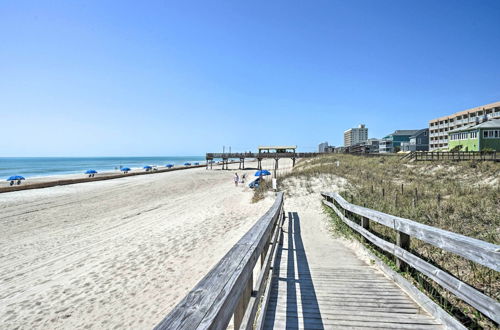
492, 123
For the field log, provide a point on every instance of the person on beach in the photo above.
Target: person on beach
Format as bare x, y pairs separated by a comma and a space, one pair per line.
236, 179
243, 177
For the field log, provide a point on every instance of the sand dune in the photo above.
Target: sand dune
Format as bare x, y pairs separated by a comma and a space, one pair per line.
118, 253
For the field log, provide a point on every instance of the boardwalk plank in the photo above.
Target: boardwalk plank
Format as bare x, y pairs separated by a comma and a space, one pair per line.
335, 293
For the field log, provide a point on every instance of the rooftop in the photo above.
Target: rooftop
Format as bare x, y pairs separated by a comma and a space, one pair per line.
405, 132
419, 132
492, 123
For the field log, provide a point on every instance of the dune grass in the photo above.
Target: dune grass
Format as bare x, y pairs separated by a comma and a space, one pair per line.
462, 197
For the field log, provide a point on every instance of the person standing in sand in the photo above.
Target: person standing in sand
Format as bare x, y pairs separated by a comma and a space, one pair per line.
236, 179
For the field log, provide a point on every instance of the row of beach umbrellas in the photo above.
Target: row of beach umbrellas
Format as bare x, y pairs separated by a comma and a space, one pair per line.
125, 170
92, 172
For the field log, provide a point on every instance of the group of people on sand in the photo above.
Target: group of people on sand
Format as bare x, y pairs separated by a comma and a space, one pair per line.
237, 179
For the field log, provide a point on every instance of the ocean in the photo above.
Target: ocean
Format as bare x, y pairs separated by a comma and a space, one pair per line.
47, 166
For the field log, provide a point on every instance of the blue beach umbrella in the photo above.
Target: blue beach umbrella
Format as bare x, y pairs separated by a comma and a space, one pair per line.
187, 164
15, 178
90, 172
197, 163
169, 165
125, 169
147, 167
262, 173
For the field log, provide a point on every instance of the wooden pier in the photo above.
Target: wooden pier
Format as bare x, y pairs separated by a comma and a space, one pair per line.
301, 285
259, 156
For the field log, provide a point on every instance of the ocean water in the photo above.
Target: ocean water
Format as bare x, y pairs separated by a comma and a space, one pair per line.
46, 166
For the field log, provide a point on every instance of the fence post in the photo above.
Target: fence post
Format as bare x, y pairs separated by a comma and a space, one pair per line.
266, 248
241, 307
365, 223
280, 224
403, 241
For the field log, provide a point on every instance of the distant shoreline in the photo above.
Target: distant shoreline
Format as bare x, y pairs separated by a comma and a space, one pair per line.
36, 167
67, 179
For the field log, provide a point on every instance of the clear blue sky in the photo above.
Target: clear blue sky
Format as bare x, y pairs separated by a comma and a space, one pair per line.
137, 78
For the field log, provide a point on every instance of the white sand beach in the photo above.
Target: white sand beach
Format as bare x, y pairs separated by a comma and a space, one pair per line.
117, 253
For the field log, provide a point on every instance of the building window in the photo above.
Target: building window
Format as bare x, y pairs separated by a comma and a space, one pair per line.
491, 134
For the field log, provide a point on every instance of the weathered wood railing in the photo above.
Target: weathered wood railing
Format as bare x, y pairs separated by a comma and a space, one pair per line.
452, 155
484, 253
228, 290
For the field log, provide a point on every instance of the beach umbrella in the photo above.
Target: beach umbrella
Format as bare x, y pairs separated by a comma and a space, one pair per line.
187, 164
169, 165
125, 169
197, 163
262, 173
90, 172
15, 178
147, 167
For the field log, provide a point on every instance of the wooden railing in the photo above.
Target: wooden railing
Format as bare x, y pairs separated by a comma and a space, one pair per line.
481, 252
228, 289
452, 155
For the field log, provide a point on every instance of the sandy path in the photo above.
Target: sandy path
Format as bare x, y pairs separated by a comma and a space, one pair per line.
118, 253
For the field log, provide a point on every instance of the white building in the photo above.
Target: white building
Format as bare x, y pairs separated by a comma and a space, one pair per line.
355, 136
322, 147
439, 127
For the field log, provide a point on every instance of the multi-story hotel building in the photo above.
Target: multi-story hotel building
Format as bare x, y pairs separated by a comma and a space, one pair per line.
356, 135
439, 127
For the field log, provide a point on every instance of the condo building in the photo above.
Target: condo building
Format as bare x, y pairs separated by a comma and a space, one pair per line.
322, 147
355, 136
440, 127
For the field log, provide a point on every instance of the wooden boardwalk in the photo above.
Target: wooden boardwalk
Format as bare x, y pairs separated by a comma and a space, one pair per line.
334, 289
318, 282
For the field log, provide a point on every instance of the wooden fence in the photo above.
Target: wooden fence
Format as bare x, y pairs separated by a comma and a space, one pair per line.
228, 289
452, 155
484, 253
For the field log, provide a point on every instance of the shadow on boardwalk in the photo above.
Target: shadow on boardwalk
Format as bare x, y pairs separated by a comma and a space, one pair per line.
319, 283
298, 278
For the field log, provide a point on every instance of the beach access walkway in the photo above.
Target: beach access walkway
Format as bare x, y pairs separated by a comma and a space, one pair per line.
306, 279
290, 271
320, 283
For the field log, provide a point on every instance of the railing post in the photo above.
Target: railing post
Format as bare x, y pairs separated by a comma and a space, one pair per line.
280, 224
241, 307
403, 241
365, 223
266, 248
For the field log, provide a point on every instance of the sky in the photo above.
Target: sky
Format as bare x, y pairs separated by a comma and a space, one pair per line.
164, 78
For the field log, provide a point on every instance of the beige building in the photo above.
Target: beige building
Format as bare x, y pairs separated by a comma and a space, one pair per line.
355, 136
439, 127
